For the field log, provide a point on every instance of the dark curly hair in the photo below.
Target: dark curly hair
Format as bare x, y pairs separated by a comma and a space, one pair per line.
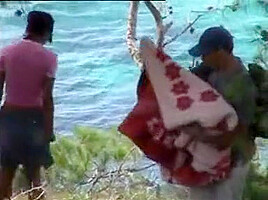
39, 23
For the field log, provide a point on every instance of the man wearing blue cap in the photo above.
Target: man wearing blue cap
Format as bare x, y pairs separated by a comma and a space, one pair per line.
226, 73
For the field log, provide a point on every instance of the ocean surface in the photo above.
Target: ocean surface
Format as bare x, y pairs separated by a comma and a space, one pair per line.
96, 79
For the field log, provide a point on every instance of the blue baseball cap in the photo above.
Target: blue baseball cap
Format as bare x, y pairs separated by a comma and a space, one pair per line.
214, 38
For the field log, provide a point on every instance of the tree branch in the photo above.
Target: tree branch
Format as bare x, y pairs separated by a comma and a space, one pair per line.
119, 172
31, 190
184, 30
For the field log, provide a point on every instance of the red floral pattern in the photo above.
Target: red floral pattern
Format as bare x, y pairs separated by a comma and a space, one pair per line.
180, 88
173, 71
156, 128
222, 125
161, 55
185, 102
168, 141
209, 96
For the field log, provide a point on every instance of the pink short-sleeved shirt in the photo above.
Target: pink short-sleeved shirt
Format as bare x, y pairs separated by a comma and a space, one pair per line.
26, 65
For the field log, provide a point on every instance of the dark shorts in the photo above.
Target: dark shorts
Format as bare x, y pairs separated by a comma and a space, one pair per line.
22, 139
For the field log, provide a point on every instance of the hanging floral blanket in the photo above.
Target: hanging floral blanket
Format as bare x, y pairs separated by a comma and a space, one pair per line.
170, 98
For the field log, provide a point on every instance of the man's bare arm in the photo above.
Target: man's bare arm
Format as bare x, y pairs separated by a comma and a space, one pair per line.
2, 81
221, 141
48, 104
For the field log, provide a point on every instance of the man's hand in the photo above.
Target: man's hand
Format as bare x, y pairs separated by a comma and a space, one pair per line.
220, 142
194, 130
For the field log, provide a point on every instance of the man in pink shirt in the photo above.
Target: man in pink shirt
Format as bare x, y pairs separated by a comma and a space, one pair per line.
26, 117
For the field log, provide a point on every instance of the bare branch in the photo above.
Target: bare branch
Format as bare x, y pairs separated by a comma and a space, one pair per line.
140, 169
31, 190
184, 30
126, 157
118, 172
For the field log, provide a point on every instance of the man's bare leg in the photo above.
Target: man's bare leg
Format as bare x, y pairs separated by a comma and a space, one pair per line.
34, 177
6, 179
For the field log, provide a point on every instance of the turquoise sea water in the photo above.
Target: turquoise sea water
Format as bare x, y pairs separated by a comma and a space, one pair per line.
96, 79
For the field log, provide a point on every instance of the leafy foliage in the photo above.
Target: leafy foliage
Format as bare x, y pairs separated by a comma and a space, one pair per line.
75, 155
259, 74
256, 184
262, 39
260, 77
